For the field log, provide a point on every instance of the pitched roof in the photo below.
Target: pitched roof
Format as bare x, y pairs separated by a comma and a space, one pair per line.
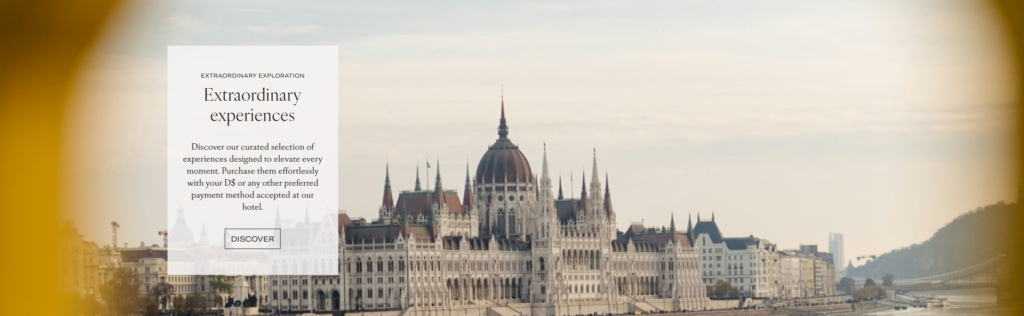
419, 202
662, 238
134, 255
387, 233
710, 228
343, 221
741, 243
567, 209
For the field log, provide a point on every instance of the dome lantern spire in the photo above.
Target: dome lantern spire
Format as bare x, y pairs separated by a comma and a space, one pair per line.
502, 127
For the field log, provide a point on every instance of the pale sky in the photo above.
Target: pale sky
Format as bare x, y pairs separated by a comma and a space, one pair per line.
881, 120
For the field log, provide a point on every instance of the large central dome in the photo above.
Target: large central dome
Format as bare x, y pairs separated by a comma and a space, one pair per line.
503, 162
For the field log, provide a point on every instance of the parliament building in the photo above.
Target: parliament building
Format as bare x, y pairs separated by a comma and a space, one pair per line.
512, 244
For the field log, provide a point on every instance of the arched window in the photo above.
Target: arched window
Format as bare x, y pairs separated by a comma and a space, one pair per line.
369, 266
501, 220
541, 264
359, 266
512, 221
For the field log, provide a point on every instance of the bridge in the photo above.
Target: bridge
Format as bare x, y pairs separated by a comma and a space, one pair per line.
986, 273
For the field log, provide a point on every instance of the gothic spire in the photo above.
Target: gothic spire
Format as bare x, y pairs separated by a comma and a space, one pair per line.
672, 224
277, 218
689, 227
437, 181
502, 127
438, 189
417, 177
388, 202
583, 195
560, 187
544, 168
607, 197
467, 195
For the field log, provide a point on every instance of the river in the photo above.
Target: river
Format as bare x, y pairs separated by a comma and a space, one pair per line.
961, 302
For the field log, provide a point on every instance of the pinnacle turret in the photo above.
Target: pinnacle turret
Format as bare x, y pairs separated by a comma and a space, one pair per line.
607, 197
439, 197
467, 194
502, 127
417, 177
388, 202
560, 188
583, 195
672, 224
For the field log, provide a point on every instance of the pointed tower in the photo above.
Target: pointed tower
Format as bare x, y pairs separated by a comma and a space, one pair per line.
417, 178
689, 227
502, 127
583, 195
595, 184
277, 219
672, 224
560, 188
607, 198
467, 194
438, 188
387, 204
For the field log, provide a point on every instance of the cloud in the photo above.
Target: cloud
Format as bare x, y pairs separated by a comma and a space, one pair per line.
182, 23
278, 29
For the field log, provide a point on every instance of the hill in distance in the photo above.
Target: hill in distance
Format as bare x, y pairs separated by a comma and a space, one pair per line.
971, 238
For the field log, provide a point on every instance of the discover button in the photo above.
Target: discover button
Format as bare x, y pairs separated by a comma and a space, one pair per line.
252, 238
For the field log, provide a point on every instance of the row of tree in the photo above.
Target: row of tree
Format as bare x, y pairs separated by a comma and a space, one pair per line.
870, 290
122, 297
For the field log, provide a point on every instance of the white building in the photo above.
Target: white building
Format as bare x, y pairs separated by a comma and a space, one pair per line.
509, 246
806, 273
750, 264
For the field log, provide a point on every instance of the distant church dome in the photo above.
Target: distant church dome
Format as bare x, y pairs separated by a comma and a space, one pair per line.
183, 236
503, 162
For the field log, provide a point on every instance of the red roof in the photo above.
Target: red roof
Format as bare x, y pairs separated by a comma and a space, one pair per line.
416, 203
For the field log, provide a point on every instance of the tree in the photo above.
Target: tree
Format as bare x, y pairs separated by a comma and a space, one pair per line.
869, 283
150, 308
221, 283
162, 294
867, 292
179, 304
887, 279
735, 292
723, 288
846, 285
121, 293
195, 302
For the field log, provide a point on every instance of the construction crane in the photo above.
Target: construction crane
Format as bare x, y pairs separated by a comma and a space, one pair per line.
114, 225
163, 233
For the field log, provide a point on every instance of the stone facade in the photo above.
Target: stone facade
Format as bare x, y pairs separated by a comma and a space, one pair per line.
750, 264
511, 246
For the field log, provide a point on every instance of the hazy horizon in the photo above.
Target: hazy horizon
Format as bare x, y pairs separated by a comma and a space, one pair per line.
881, 121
